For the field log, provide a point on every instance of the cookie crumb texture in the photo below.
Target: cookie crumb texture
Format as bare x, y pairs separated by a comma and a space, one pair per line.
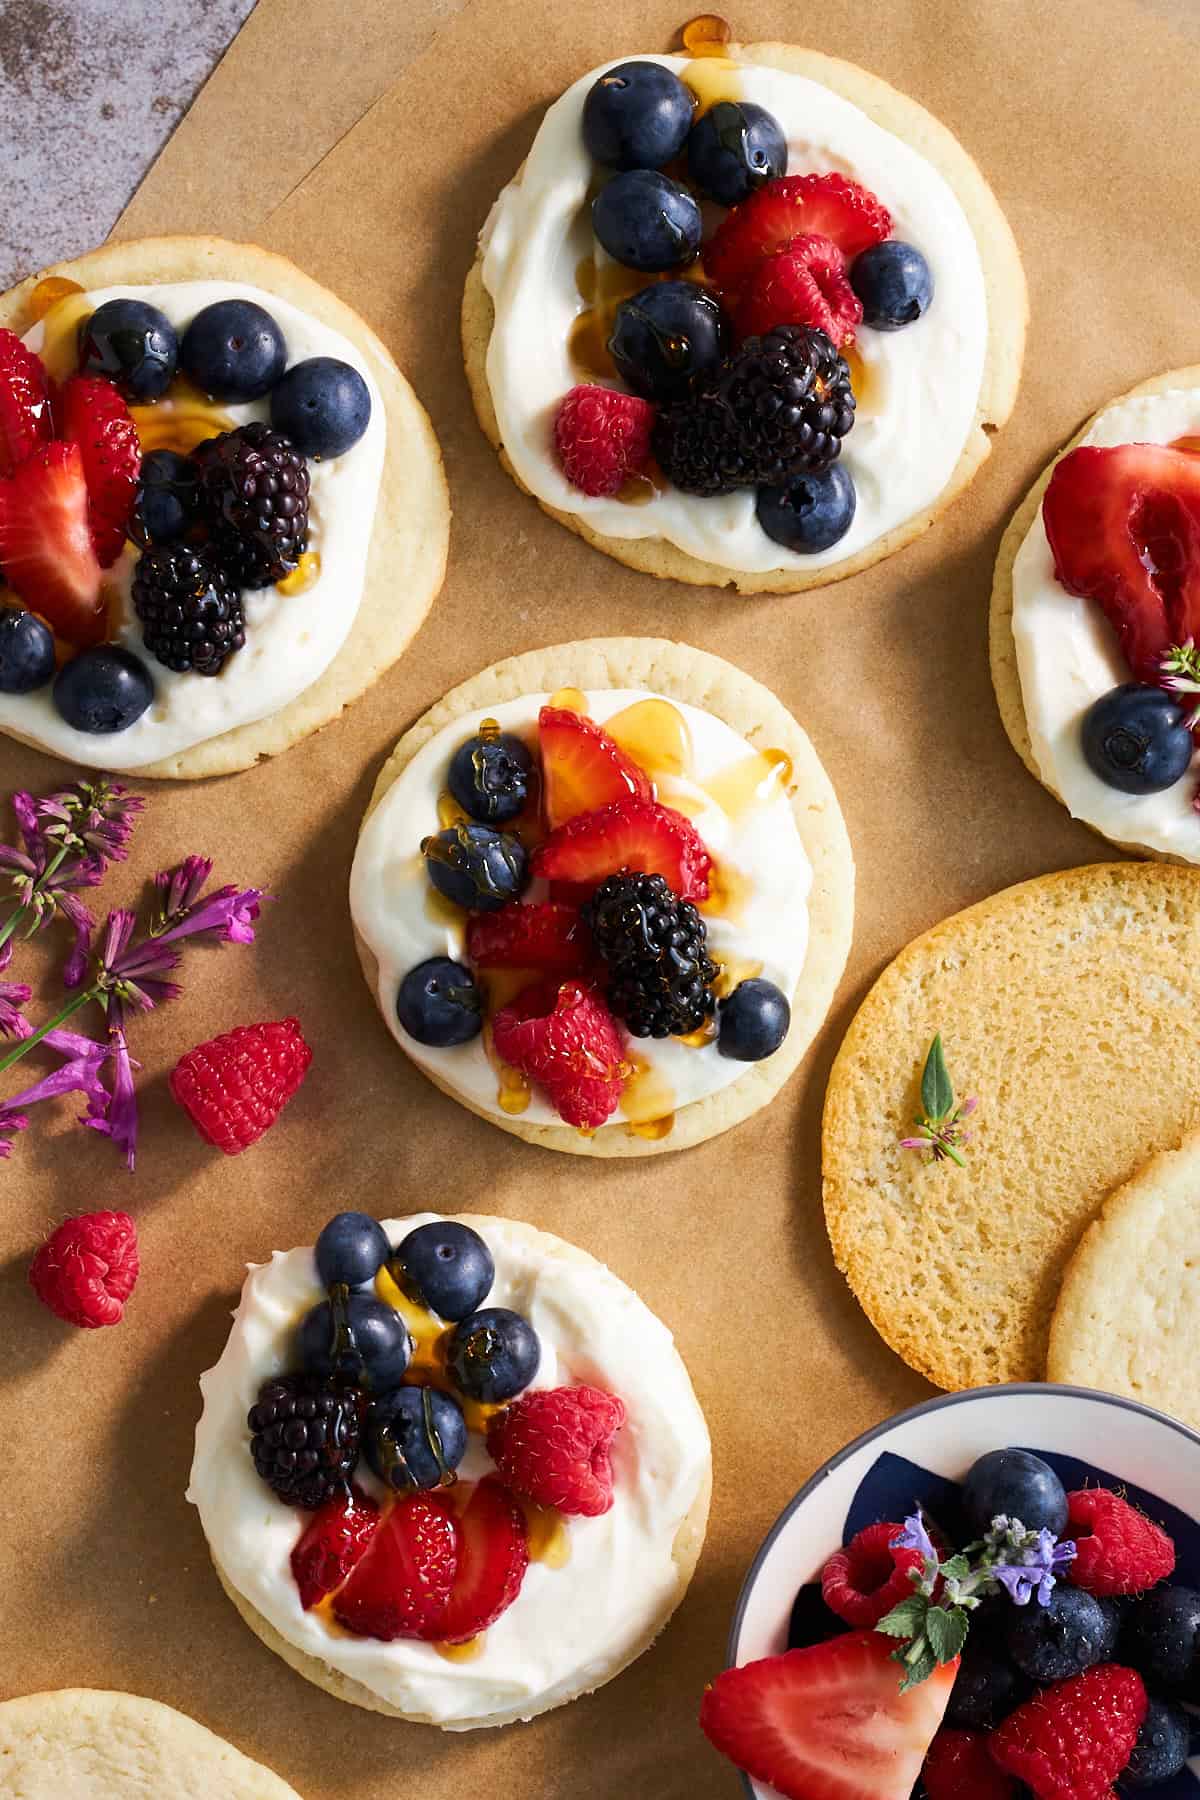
1068, 1005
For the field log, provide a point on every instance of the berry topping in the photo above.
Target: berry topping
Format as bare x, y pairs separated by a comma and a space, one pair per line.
87, 1268
493, 1354
734, 148
24, 407
806, 284
255, 488
778, 408
988, 1687
334, 1539
1018, 1484
637, 116
133, 344
1072, 1741
446, 1266
105, 689
1161, 1638
400, 1586
167, 501
94, 416
1137, 739
1063, 1637
602, 438
628, 835
493, 1555
753, 1021
582, 769
26, 651
549, 936
191, 614
234, 1087
489, 775
866, 1579
553, 1447
234, 350
1161, 1751
829, 206
439, 1003
563, 1037
646, 221
810, 514
829, 1722
666, 335
1118, 1550
659, 974
305, 1442
959, 1767
357, 1339
322, 405
415, 1438
476, 867
351, 1250
894, 283
46, 548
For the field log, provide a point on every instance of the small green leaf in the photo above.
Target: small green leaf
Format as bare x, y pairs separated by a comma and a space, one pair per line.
918, 1671
946, 1631
937, 1091
906, 1619
958, 1567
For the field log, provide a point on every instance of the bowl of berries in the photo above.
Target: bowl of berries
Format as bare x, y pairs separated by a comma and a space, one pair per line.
993, 1595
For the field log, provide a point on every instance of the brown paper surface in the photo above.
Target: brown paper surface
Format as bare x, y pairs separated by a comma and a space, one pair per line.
1085, 125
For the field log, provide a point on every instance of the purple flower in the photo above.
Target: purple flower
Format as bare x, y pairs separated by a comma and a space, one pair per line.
115, 1114
916, 1537
80, 1073
227, 914
13, 996
1032, 1563
131, 972
92, 819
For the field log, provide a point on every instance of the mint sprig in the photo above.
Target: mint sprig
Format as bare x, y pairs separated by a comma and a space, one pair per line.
939, 1133
1181, 674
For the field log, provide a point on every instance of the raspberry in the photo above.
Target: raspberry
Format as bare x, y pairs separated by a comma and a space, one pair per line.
865, 1580
1118, 1550
958, 1767
1072, 1741
563, 1037
602, 437
793, 206
234, 1087
86, 1270
552, 1446
806, 284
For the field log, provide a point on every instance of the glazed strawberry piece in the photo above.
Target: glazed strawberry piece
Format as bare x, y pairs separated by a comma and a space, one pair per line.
794, 206
582, 769
400, 1587
549, 936
336, 1537
554, 1446
563, 1037
24, 403
630, 834
493, 1555
46, 547
93, 415
806, 284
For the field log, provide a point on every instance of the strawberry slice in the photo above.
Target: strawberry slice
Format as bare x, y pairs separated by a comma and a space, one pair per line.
563, 1037
493, 1555
806, 284
792, 206
1124, 528
93, 415
24, 403
401, 1587
548, 936
630, 834
337, 1535
830, 1722
582, 769
46, 547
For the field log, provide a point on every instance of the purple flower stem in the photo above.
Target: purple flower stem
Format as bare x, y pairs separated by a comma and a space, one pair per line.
26, 1044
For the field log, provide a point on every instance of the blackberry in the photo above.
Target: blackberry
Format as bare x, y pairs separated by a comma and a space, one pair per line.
191, 613
654, 944
777, 408
255, 487
305, 1443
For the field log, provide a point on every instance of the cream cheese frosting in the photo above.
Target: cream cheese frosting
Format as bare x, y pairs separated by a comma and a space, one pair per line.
290, 640
570, 1627
921, 386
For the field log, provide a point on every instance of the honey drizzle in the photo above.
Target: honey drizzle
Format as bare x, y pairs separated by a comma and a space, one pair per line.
647, 1099
547, 1537
602, 287
655, 734
427, 1366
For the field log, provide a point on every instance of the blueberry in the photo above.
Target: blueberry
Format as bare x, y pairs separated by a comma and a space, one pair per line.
493, 1354
1161, 1750
166, 505
322, 404
988, 1688
489, 776
1019, 1485
357, 1338
734, 148
234, 350
637, 116
1064, 1637
104, 689
476, 867
439, 1003
414, 1438
646, 221
447, 1266
132, 343
894, 283
811, 513
811, 1621
753, 1022
666, 335
1161, 1640
1136, 739
26, 651
351, 1249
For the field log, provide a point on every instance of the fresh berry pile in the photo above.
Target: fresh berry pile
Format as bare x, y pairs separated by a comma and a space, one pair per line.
397, 1365
1051, 1656
732, 351
75, 488
570, 872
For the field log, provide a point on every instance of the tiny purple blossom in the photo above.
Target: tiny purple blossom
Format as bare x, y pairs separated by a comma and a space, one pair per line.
179, 888
79, 1074
13, 996
94, 819
915, 1536
115, 1114
228, 915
